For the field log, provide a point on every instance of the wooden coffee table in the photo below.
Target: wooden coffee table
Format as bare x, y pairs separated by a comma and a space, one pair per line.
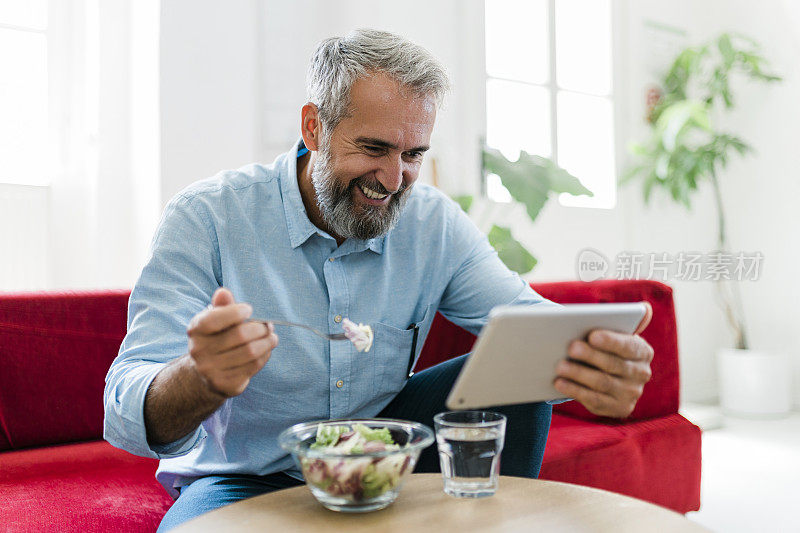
519, 505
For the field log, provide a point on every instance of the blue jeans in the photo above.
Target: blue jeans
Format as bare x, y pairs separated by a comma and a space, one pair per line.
422, 397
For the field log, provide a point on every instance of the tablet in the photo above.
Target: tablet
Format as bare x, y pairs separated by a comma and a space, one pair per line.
515, 357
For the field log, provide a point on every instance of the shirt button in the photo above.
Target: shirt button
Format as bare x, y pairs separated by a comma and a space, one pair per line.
339, 384
331, 259
337, 318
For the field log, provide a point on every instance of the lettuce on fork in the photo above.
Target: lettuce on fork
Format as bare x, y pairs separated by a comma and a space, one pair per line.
360, 335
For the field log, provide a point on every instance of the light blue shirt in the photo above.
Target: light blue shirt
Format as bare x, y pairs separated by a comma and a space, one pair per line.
248, 230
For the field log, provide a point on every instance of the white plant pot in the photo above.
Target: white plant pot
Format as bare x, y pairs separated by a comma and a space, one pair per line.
754, 383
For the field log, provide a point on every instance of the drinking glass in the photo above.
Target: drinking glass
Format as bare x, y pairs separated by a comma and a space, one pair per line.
469, 445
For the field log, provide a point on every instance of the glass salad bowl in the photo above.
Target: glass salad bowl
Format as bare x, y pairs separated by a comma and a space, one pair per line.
356, 465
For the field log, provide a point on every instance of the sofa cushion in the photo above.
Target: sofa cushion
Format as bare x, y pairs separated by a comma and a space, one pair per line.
86, 487
55, 350
627, 458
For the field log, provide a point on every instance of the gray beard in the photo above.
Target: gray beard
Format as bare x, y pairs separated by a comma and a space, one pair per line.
340, 212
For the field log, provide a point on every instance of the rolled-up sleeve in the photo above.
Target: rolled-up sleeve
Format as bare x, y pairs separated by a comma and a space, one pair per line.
180, 276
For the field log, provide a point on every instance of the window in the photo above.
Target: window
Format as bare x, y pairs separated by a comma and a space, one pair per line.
23, 92
549, 90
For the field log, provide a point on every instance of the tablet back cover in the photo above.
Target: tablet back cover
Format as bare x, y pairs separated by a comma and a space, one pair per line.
515, 357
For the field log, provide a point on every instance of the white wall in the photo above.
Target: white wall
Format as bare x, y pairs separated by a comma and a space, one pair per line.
23, 245
209, 91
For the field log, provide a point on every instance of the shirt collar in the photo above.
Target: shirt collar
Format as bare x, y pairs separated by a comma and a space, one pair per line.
298, 224
376, 244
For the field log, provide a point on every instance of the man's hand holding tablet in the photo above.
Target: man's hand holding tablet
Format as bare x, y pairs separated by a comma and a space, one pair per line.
607, 374
591, 353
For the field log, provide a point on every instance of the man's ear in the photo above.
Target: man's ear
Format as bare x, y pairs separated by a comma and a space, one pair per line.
310, 126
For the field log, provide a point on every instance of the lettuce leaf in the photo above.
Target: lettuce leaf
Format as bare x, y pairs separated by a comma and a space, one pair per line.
381, 434
328, 435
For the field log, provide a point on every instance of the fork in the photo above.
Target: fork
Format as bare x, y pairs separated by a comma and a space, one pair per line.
328, 336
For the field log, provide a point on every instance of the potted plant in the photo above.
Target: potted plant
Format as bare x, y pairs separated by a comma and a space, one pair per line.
530, 180
686, 148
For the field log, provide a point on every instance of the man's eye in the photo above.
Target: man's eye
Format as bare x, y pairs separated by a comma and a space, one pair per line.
374, 149
415, 154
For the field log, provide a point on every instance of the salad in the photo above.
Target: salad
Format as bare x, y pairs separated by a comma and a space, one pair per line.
355, 478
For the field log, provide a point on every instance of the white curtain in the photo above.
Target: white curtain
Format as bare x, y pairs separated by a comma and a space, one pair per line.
90, 227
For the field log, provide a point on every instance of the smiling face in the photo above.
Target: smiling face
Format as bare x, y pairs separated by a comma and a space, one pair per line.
362, 172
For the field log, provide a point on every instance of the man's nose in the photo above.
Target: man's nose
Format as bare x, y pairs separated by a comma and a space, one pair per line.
391, 173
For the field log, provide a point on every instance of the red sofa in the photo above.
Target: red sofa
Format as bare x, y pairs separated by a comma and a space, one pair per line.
56, 474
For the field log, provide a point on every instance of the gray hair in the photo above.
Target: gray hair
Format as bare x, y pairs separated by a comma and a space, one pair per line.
339, 61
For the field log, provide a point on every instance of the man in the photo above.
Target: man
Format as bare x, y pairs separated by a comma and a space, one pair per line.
337, 227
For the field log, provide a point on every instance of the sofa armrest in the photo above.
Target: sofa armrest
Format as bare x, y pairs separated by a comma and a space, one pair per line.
661, 394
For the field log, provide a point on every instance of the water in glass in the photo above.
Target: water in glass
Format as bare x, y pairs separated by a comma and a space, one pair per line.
470, 459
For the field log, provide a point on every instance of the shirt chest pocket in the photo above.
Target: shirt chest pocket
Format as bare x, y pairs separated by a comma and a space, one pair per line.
395, 352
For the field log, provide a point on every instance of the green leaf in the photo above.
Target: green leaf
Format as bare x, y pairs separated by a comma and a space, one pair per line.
370, 434
647, 189
531, 179
674, 121
561, 180
740, 146
328, 435
633, 172
510, 251
726, 49
527, 186
465, 201
638, 149
726, 96
682, 69
661, 168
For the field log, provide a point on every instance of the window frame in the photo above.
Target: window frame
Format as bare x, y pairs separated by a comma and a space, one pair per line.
553, 89
44, 180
